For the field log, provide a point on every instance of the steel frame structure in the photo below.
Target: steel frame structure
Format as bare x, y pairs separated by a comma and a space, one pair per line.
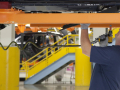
13, 16
97, 25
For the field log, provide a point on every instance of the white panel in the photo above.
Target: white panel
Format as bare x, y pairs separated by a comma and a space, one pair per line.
7, 35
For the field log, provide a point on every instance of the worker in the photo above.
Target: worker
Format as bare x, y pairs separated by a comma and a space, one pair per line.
106, 73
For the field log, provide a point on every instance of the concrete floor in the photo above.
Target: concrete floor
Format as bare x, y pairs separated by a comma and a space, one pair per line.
51, 87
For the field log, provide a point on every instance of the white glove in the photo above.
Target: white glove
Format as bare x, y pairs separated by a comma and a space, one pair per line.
84, 26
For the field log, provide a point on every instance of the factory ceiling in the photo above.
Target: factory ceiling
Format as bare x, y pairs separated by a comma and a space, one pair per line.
60, 6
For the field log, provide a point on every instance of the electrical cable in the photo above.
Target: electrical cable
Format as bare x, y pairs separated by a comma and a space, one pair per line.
93, 42
18, 45
35, 46
41, 47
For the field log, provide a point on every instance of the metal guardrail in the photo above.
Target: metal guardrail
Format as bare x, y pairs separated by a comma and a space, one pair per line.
49, 51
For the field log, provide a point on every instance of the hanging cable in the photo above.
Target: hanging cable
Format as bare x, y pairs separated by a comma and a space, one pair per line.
93, 42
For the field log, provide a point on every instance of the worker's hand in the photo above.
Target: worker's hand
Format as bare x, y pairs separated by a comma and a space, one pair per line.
84, 26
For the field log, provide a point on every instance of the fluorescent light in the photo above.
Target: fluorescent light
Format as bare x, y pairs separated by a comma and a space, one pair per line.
16, 25
39, 31
27, 25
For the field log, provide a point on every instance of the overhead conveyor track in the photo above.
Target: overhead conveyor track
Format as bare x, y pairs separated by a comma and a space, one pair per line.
62, 1
58, 6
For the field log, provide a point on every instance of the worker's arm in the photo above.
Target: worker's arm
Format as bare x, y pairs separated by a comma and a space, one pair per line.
85, 42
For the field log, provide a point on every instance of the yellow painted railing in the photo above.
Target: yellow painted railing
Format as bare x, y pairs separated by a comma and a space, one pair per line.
33, 66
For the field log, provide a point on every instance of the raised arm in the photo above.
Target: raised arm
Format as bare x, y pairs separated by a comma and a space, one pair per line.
85, 42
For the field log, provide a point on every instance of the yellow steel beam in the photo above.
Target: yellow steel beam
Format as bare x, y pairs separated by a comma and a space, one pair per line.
65, 18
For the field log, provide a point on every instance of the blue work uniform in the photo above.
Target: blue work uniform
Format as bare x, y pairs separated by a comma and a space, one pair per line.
106, 73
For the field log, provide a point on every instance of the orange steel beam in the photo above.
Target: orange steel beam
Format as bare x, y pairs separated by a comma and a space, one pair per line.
17, 31
111, 18
22, 28
10, 11
36, 29
65, 18
61, 25
46, 25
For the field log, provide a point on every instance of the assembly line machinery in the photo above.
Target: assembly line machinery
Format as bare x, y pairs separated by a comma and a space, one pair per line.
47, 14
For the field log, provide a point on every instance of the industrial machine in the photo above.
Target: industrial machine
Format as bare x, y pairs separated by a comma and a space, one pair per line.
55, 6
39, 39
59, 6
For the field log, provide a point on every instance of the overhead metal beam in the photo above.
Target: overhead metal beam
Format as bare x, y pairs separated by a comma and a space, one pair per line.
61, 25
63, 1
64, 18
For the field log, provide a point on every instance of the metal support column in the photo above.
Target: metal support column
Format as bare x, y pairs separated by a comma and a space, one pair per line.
9, 64
9, 60
82, 69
